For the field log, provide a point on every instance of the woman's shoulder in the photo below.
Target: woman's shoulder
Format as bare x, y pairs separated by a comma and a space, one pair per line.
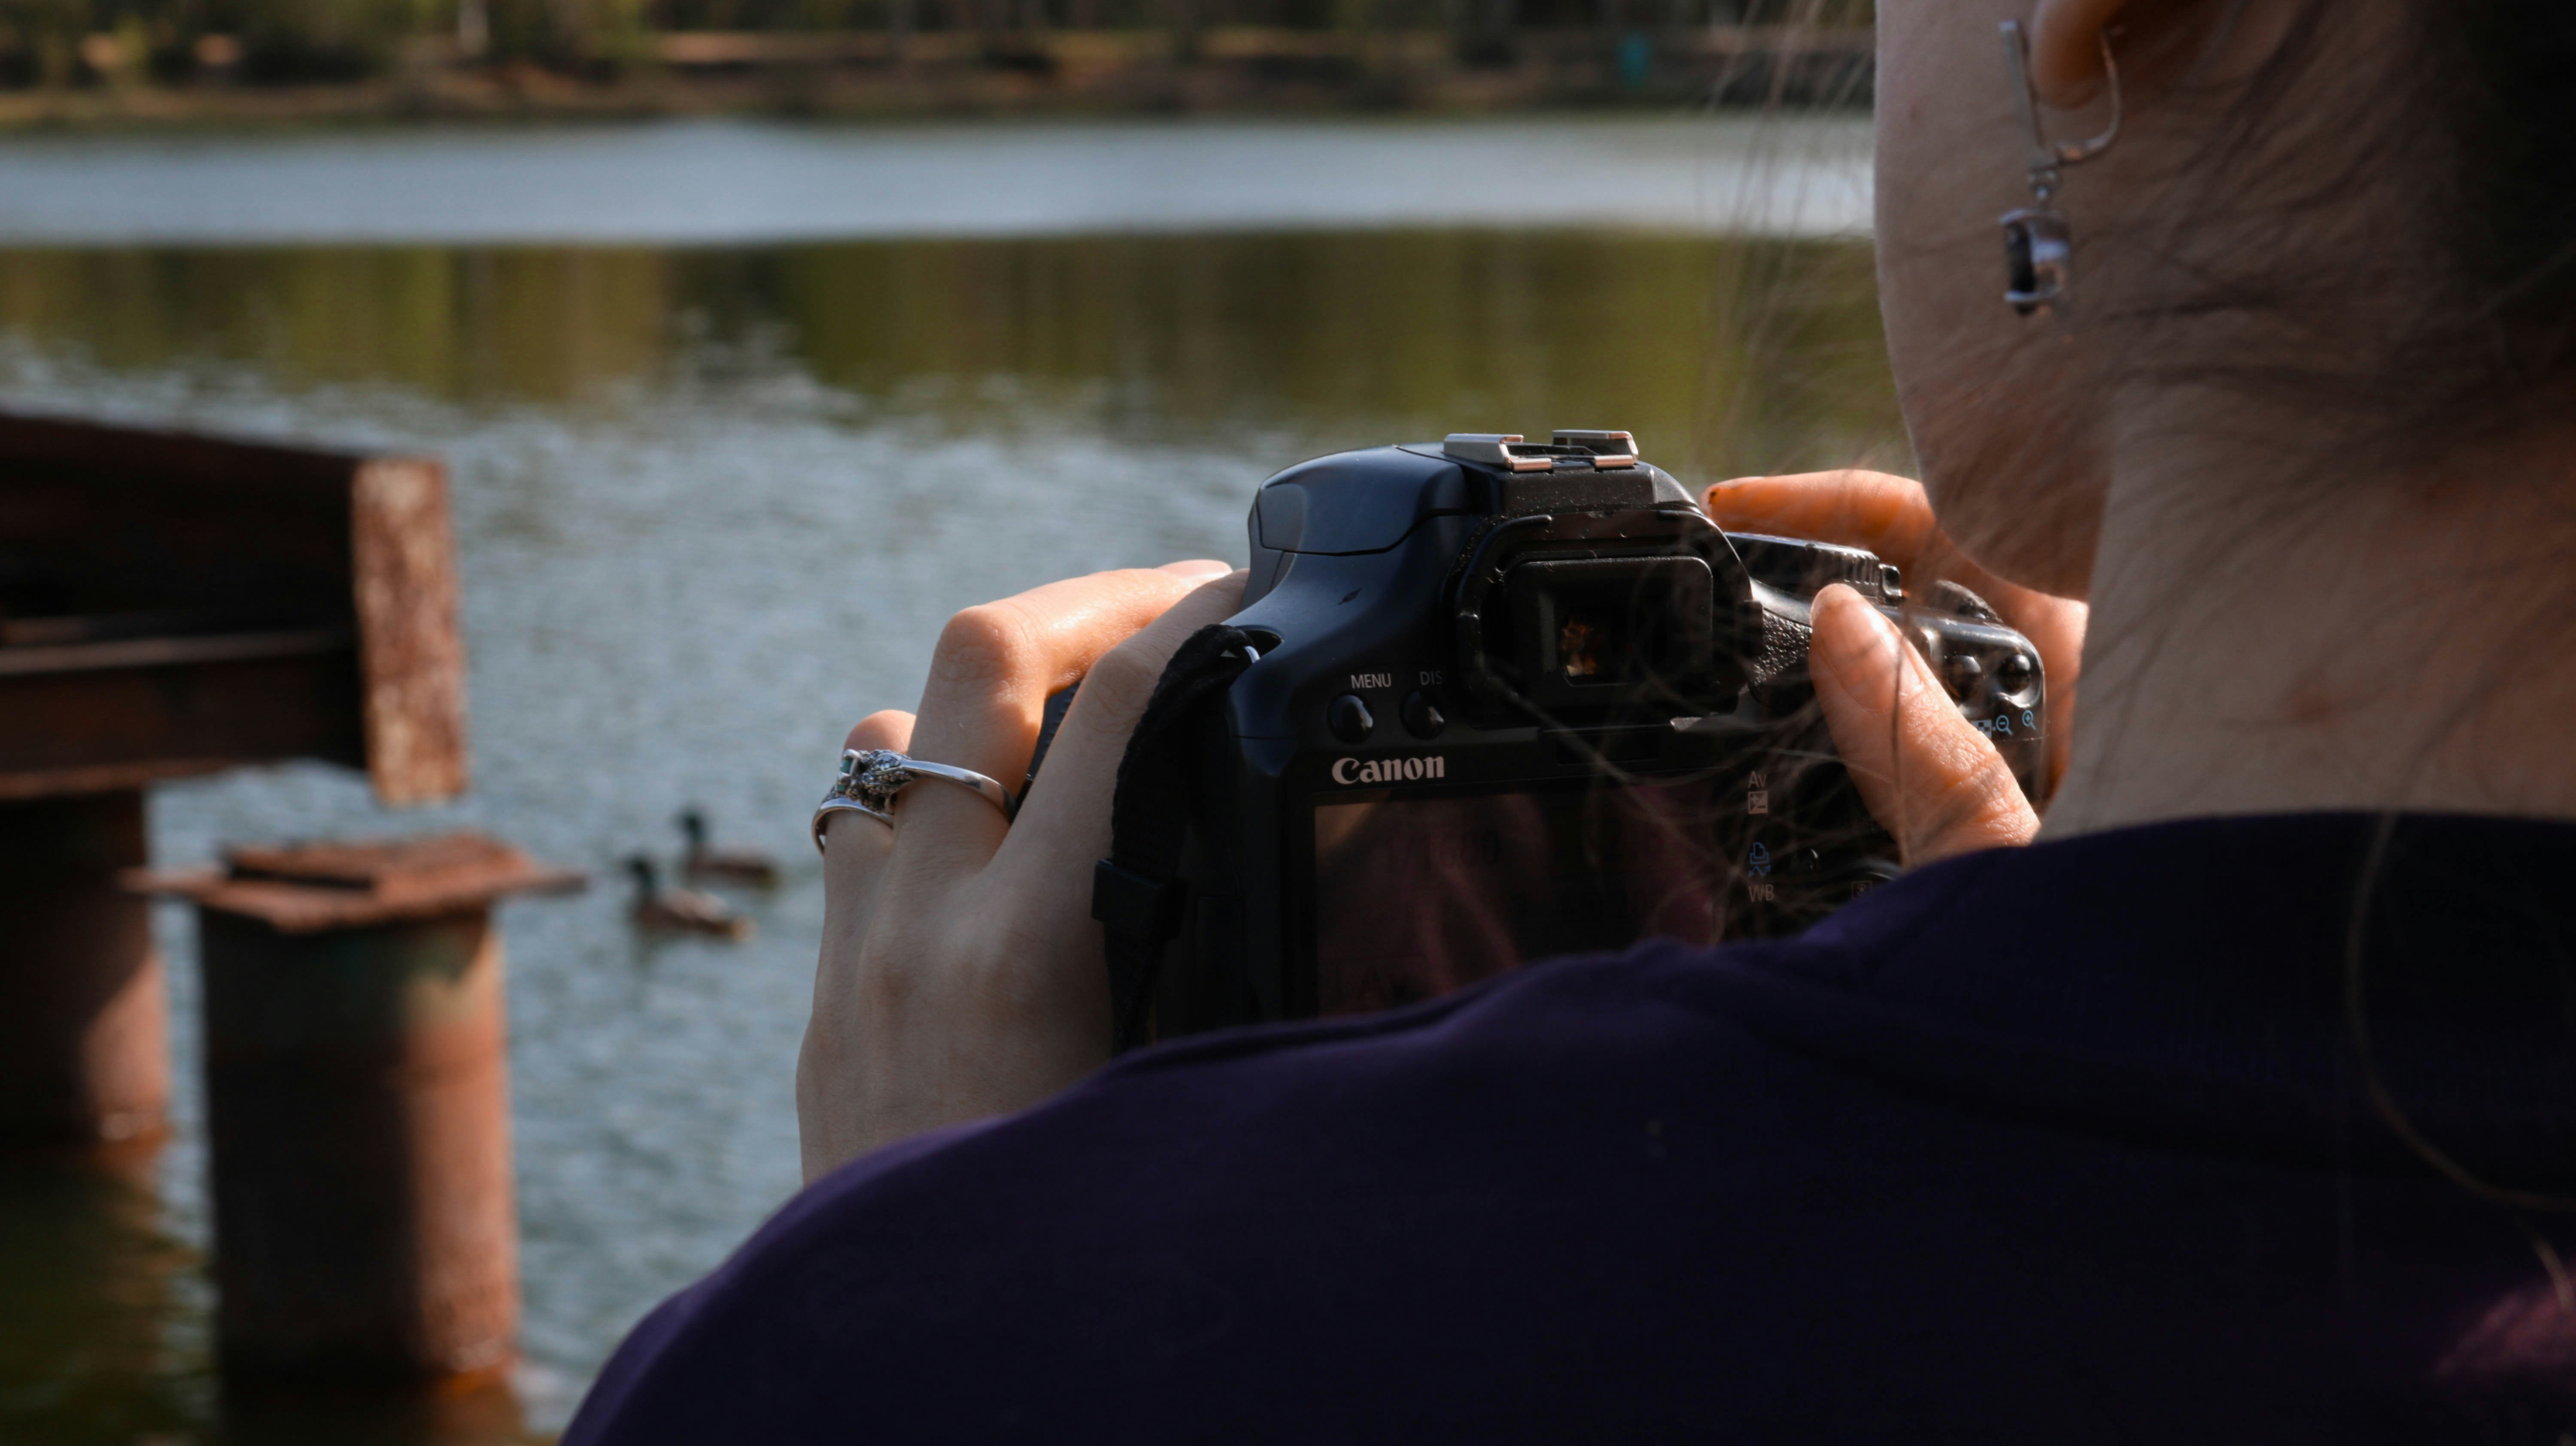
2183, 980
2009, 1052
2132, 957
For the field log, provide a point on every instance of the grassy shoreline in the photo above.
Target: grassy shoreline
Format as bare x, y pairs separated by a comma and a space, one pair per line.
1231, 70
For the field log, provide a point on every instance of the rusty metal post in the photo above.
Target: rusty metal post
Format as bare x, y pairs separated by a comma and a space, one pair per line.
84, 1025
357, 1104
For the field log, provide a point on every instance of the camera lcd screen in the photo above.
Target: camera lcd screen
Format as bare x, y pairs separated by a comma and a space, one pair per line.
1416, 896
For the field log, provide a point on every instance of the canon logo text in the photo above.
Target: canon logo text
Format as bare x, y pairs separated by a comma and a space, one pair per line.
1389, 770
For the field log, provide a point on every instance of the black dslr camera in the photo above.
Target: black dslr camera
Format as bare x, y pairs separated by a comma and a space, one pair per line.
1487, 702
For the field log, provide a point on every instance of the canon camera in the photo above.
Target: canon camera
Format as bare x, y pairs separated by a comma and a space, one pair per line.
1489, 701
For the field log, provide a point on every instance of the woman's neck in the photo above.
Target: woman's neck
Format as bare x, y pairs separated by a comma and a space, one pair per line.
2393, 644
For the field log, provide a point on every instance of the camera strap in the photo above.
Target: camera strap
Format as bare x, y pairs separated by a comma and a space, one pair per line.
1136, 892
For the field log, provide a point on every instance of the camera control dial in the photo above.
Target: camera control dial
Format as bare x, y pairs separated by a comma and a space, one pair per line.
1350, 719
1422, 716
2015, 672
1961, 672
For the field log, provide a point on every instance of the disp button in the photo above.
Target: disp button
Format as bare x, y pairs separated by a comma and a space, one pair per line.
1422, 716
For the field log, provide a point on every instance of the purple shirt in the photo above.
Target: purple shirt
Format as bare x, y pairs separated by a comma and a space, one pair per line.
2074, 1143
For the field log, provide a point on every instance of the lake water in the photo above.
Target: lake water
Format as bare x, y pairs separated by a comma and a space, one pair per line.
741, 183
717, 481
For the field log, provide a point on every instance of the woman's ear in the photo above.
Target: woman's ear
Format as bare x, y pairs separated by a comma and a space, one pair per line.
2066, 48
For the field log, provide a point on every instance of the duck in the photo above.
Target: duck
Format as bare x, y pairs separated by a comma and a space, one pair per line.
680, 910
741, 866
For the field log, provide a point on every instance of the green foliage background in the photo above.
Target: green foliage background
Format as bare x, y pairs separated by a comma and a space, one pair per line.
162, 41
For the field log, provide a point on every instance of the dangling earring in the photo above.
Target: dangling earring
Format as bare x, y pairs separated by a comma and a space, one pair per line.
2039, 249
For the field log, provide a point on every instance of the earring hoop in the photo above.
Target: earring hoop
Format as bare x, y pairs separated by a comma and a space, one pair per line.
2039, 246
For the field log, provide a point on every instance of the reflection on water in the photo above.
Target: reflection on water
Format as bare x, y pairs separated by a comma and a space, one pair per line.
1719, 354
104, 1334
711, 507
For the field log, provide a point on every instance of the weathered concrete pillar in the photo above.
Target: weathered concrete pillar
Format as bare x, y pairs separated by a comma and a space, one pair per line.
84, 1023
357, 1102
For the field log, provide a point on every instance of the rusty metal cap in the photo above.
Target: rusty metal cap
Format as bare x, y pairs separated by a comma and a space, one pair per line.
308, 887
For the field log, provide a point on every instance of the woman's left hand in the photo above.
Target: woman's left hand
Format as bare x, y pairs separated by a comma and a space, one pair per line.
960, 974
1929, 777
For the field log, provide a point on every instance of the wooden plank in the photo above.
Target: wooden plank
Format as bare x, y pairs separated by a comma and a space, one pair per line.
163, 652
61, 727
172, 604
307, 888
108, 777
410, 653
242, 469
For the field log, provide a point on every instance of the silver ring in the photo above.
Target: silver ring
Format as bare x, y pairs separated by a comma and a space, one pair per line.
834, 803
872, 778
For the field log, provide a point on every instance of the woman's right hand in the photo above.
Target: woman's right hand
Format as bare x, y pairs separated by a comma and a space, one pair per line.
1929, 777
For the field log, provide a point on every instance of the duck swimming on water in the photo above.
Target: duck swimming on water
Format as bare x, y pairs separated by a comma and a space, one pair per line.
678, 910
735, 865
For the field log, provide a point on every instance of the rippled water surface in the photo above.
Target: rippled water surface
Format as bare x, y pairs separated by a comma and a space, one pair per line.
712, 503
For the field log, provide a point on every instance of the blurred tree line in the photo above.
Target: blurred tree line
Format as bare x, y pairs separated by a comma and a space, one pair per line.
58, 43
